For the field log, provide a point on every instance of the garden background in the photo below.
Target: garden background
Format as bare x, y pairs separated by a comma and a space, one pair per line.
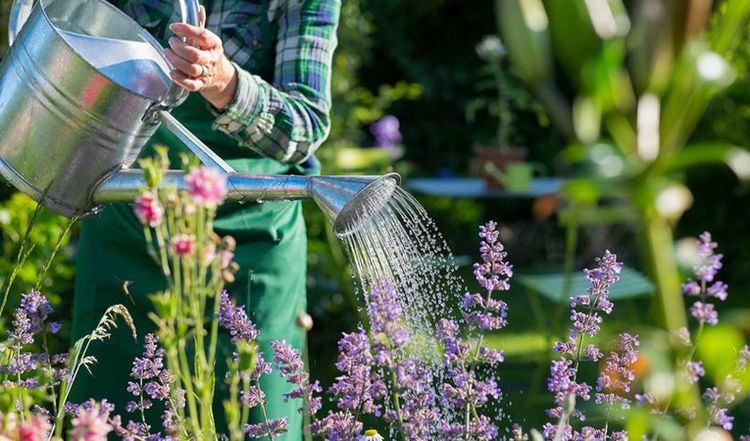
416, 60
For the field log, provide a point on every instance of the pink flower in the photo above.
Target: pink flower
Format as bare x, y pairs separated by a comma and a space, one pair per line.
207, 186
148, 210
37, 428
225, 258
90, 425
209, 254
183, 244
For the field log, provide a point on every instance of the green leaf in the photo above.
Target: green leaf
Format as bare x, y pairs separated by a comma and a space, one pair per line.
525, 31
695, 155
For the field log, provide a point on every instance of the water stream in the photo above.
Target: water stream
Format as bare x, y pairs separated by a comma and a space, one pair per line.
400, 244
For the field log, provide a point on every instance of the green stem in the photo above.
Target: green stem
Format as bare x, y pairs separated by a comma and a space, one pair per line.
53, 253
397, 406
660, 245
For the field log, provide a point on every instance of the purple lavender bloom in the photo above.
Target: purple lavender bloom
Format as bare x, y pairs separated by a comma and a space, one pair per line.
359, 386
694, 371
252, 397
482, 428
600, 278
386, 131
386, 313
563, 372
709, 263
493, 273
29, 318
720, 418
337, 426
704, 286
289, 363
234, 319
616, 377
562, 382
455, 349
152, 381
486, 314
705, 312
418, 411
54, 327
268, 429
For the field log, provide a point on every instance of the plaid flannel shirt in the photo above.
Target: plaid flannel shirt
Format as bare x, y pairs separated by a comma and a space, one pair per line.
284, 115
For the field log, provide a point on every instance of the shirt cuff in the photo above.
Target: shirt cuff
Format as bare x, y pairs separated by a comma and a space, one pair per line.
246, 105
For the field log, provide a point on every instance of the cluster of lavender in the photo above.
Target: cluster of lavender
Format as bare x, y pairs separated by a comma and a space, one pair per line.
24, 372
718, 398
151, 382
411, 409
614, 380
703, 286
19, 367
372, 367
245, 371
356, 391
466, 392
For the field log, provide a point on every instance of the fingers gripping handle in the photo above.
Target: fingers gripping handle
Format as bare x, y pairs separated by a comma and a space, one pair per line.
190, 14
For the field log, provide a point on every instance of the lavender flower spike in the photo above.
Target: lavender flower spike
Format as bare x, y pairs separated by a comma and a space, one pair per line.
704, 286
493, 273
234, 319
289, 363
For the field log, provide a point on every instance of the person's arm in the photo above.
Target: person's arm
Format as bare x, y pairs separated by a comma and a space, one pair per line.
288, 119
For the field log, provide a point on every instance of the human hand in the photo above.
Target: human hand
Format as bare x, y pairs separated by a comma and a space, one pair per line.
200, 63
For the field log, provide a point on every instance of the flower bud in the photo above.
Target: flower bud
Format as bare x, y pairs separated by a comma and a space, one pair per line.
228, 243
304, 321
227, 276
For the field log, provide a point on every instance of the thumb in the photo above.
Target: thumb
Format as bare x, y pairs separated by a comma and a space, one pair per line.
202, 15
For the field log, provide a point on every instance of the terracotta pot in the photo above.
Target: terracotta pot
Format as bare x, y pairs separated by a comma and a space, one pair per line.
499, 157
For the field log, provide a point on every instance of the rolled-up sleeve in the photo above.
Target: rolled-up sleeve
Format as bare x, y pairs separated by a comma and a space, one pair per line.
289, 119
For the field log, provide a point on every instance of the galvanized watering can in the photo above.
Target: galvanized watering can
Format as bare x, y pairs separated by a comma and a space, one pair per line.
84, 87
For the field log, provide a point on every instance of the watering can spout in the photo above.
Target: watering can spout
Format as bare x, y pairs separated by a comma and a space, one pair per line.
348, 201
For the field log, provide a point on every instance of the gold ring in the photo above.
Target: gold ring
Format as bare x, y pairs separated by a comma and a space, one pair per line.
204, 71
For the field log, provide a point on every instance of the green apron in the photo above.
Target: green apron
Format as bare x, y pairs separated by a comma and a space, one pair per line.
271, 252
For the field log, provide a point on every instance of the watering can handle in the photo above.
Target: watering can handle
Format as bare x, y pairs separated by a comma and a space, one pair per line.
189, 13
19, 13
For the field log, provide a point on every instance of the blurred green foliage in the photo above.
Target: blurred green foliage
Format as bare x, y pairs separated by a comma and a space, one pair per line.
16, 211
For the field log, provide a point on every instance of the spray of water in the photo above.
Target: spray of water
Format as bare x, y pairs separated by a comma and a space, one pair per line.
400, 244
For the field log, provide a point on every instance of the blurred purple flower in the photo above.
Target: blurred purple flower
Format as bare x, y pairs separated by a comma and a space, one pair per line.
704, 286
615, 379
386, 131
268, 429
694, 371
234, 319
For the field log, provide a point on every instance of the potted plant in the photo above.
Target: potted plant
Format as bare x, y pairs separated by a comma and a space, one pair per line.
493, 157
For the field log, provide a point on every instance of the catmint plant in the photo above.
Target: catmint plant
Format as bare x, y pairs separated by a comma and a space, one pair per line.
715, 400
466, 392
245, 369
614, 380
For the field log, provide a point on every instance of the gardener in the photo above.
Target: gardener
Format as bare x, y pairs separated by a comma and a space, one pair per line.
262, 73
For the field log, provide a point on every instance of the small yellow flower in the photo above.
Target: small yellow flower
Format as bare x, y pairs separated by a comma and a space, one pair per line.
371, 435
